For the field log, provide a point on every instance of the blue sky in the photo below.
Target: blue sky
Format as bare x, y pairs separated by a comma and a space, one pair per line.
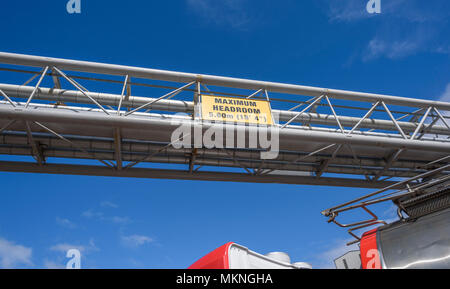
134, 223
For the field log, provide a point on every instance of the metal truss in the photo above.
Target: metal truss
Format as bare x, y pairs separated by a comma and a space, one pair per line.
326, 136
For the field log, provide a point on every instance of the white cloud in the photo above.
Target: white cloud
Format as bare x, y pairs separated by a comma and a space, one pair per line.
378, 47
345, 11
416, 11
120, 220
224, 12
390, 214
444, 49
446, 95
64, 247
108, 204
65, 223
12, 255
48, 264
403, 28
91, 214
136, 240
338, 247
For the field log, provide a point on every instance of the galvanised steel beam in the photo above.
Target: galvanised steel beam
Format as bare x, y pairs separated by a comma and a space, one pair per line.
72, 96
87, 170
9, 141
181, 77
211, 162
165, 128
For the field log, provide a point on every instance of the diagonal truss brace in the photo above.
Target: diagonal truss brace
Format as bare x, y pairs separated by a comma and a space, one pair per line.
73, 144
167, 95
84, 91
36, 87
317, 99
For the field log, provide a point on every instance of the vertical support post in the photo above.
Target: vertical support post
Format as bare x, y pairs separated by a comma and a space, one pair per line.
197, 102
56, 81
118, 148
35, 150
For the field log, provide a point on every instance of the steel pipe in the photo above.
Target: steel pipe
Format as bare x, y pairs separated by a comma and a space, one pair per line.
288, 136
181, 77
213, 162
139, 148
87, 170
72, 96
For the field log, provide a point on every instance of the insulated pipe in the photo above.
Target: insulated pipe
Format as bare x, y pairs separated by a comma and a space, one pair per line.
10, 141
215, 162
65, 96
166, 127
87, 170
181, 77
183, 160
183, 117
75, 96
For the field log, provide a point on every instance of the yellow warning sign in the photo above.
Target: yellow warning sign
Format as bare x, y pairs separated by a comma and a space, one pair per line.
232, 109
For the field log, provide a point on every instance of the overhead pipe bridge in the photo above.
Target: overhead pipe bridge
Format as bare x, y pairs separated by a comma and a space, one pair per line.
120, 121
